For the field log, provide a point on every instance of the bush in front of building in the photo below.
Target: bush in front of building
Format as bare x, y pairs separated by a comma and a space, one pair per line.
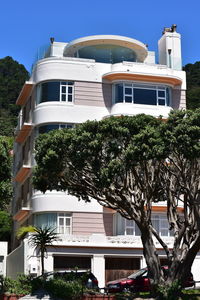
20, 286
64, 289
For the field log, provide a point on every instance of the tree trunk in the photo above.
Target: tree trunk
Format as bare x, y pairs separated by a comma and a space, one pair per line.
152, 260
42, 261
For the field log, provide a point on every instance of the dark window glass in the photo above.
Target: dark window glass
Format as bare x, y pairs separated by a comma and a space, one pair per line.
50, 91
63, 89
128, 99
63, 97
70, 90
119, 93
167, 97
128, 91
70, 98
161, 101
161, 93
143, 96
47, 128
107, 53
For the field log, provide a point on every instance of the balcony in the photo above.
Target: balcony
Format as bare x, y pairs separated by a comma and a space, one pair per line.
25, 93
143, 72
23, 132
102, 241
21, 213
23, 173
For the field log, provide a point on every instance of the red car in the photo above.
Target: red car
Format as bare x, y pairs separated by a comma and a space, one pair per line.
138, 282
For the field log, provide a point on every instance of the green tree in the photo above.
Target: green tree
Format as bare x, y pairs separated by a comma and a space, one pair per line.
5, 226
12, 77
193, 85
128, 164
40, 239
5, 173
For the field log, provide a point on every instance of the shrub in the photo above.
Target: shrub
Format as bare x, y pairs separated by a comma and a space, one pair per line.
20, 286
64, 289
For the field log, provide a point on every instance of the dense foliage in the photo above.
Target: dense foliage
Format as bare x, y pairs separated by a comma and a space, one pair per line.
5, 226
5, 173
12, 77
128, 164
193, 85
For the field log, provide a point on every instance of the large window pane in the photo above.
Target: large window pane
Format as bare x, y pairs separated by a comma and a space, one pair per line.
47, 128
143, 96
50, 91
107, 53
119, 93
46, 220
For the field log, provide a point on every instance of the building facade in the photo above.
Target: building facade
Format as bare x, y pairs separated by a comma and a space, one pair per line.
90, 78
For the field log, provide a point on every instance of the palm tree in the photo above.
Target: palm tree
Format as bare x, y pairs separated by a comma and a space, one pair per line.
40, 239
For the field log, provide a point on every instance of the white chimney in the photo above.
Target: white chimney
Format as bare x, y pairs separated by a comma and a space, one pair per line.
169, 48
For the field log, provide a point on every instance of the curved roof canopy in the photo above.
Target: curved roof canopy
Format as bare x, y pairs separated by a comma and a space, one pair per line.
137, 47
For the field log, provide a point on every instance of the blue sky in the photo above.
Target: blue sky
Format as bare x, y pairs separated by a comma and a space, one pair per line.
27, 25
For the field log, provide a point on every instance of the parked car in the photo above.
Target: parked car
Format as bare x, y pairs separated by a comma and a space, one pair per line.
86, 277
138, 282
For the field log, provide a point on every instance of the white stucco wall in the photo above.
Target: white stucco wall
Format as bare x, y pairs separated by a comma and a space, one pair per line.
60, 201
16, 261
3, 255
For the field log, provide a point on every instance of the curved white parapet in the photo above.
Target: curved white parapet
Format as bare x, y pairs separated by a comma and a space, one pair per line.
69, 68
59, 112
138, 47
119, 109
62, 202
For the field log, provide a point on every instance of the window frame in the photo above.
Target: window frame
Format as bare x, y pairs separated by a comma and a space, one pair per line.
64, 217
160, 219
130, 226
147, 86
62, 83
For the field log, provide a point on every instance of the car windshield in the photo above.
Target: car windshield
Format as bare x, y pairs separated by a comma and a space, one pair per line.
138, 273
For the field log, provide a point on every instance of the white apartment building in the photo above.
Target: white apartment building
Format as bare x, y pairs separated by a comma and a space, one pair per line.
90, 78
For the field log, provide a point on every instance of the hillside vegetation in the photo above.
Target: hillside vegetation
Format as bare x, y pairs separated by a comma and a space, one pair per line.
193, 85
12, 77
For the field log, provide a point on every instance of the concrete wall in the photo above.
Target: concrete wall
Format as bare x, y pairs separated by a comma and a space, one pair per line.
16, 261
3, 254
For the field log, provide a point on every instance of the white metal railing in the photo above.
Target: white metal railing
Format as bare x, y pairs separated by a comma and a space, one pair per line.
110, 241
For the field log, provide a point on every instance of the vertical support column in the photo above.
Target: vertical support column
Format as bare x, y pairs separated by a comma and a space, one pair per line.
142, 262
195, 269
98, 268
48, 263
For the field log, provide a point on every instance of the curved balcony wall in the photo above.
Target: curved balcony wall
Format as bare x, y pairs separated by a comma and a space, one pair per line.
59, 201
107, 48
64, 68
55, 112
134, 109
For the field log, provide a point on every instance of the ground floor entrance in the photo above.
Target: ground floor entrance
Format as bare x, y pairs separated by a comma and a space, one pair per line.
120, 267
72, 263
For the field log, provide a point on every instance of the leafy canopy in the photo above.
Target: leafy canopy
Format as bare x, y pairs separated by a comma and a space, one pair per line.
12, 77
128, 164
5, 173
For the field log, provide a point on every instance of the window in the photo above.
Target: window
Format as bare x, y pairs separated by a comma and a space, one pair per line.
62, 91
48, 127
61, 222
126, 227
106, 53
131, 228
160, 223
141, 94
46, 220
64, 223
